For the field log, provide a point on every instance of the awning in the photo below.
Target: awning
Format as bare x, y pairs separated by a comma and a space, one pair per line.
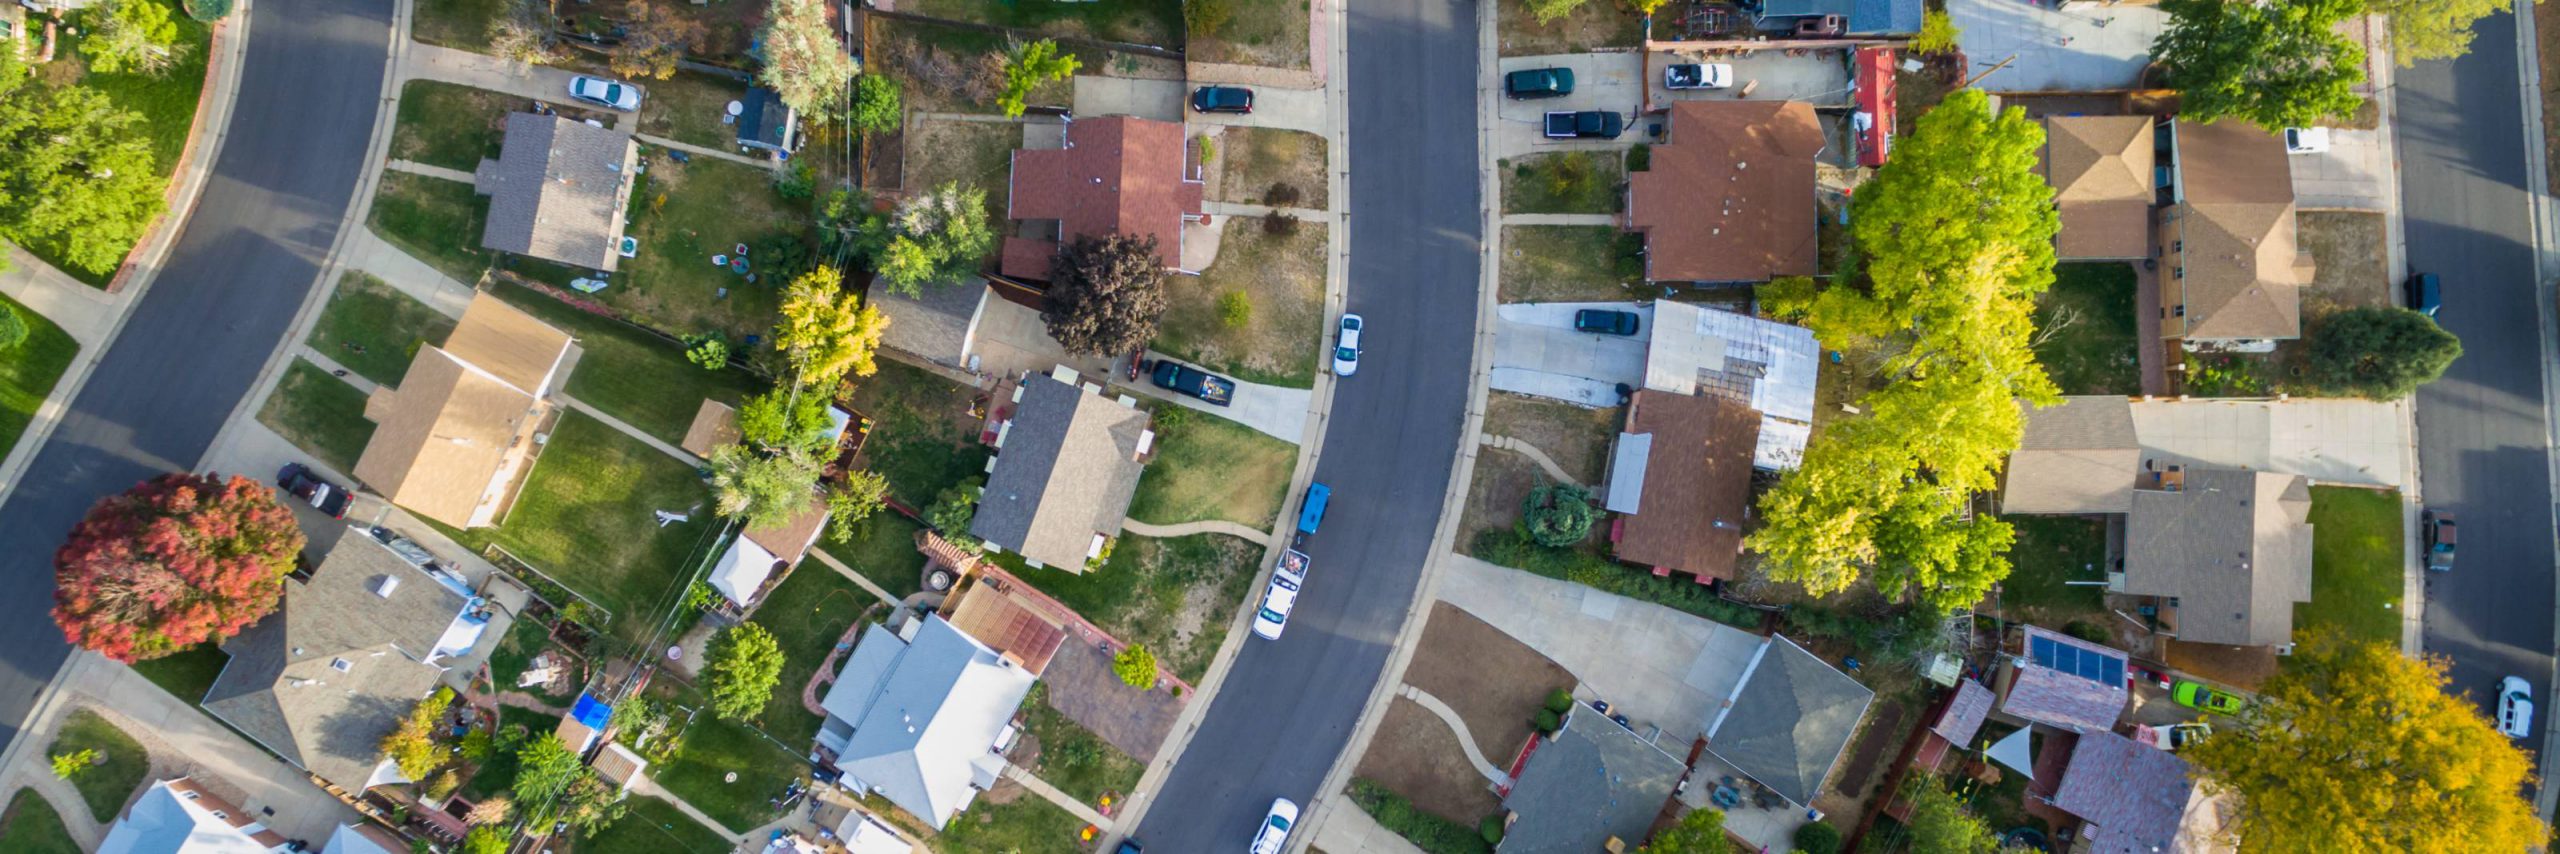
742, 569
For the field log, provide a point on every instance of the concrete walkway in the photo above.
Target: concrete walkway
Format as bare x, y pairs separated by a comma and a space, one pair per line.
377, 257
1242, 209
647, 785
85, 312
856, 577
65, 799
1209, 526
1559, 219
1466, 739
480, 71
1341, 827
322, 361
690, 148
633, 432
416, 168
1531, 451
1050, 793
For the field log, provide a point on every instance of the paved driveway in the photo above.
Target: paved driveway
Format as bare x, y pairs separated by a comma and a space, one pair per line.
1273, 107
1820, 78
2088, 48
2352, 174
1601, 81
1129, 96
1536, 351
1278, 411
2337, 441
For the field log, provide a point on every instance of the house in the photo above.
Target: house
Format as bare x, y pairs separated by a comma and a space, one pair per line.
760, 551
457, 439
1771, 366
1729, 196
337, 667
2228, 552
364, 839
1836, 17
1114, 175
2101, 169
1788, 720
765, 123
1067, 462
181, 817
1680, 480
2231, 271
557, 191
2076, 457
1959, 719
939, 324
920, 716
2133, 799
1593, 785
2065, 683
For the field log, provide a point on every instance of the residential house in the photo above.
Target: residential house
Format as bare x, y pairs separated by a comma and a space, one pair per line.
1680, 480
1114, 175
920, 716
2128, 798
1960, 717
2101, 170
1788, 720
1593, 785
1067, 462
760, 551
939, 324
2064, 683
767, 124
324, 678
1836, 17
181, 817
2231, 270
1729, 195
557, 191
2076, 457
2227, 552
364, 839
619, 765
456, 440
1771, 366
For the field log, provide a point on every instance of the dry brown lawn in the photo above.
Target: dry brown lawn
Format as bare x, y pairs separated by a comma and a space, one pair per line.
1570, 263
1415, 755
1269, 33
1494, 682
978, 154
1283, 277
1254, 161
2353, 257
1594, 24
1576, 438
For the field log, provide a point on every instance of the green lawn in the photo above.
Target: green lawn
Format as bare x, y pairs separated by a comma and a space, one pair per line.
2051, 550
2357, 564
923, 439
1072, 758
33, 827
711, 748
1567, 263
630, 374
1212, 468
1155, 22
166, 102
1145, 593
1029, 825
436, 220
1564, 182
883, 549
320, 414
690, 106
450, 125
654, 825
2094, 353
28, 374
373, 329
104, 786
188, 673
525, 638
457, 23
682, 215
806, 615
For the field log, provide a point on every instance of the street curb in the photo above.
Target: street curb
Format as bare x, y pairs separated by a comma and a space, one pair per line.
2537, 171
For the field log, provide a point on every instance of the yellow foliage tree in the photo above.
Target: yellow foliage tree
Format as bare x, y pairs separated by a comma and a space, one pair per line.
827, 332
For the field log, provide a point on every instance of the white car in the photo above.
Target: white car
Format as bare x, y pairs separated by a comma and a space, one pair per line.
2515, 707
1346, 347
2306, 140
605, 93
1274, 832
1282, 596
1698, 75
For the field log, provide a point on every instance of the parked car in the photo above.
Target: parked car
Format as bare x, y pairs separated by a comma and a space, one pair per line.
1538, 83
298, 481
1127, 846
2425, 294
1346, 346
1587, 124
1222, 99
1274, 832
2182, 735
2439, 529
2306, 140
2515, 707
1281, 596
605, 93
2195, 695
1607, 322
2158, 679
1696, 75
1185, 379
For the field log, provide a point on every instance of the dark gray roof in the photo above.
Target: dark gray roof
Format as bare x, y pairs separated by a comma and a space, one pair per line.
2233, 546
1788, 720
938, 325
283, 687
1067, 470
1592, 780
764, 121
557, 191
2078, 456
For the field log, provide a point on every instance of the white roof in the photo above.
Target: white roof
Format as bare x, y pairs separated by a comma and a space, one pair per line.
861, 835
1626, 472
741, 570
924, 713
1770, 365
162, 822
352, 839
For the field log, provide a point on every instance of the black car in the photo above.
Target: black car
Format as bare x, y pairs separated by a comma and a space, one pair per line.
1222, 99
1194, 382
2439, 529
298, 481
1538, 83
2425, 294
1606, 322
1588, 124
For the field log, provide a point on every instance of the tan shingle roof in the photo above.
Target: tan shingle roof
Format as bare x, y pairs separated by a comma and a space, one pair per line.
2233, 546
2232, 246
448, 439
714, 425
1730, 196
2101, 171
2079, 456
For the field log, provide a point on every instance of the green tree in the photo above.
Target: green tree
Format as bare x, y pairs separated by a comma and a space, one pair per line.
412, 744
861, 494
2355, 747
1701, 831
76, 171
545, 769
937, 236
763, 489
826, 331
131, 37
2380, 352
1937, 35
1031, 64
879, 103
1136, 666
745, 663
13, 328
1547, 11
2432, 29
1235, 309
1817, 837
802, 60
708, 351
1106, 294
952, 511
1940, 823
2276, 63
486, 839
784, 420
1558, 515
71, 764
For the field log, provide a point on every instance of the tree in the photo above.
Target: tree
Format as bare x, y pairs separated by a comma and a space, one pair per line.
827, 331
486, 839
131, 37
1817, 837
1940, 823
1105, 294
803, 61
545, 769
707, 351
763, 489
1136, 667
2431, 29
523, 36
2355, 747
494, 810
76, 171
2380, 352
654, 38
745, 664
71, 764
952, 511
2276, 63
177, 561
1031, 64
878, 103
412, 745
861, 494
938, 236
1937, 34
785, 420
1203, 19
1547, 11
1701, 831
13, 328
1558, 515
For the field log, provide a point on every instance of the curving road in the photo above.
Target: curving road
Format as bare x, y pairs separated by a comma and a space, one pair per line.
245, 261
1287, 708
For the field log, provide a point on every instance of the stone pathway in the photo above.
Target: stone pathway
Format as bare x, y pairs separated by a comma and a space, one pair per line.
1050, 793
1210, 526
826, 674
690, 148
1466, 740
1531, 451
416, 168
1559, 219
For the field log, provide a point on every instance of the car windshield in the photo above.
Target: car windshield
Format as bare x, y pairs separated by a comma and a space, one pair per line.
613, 92
1274, 616
1346, 354
1278, 823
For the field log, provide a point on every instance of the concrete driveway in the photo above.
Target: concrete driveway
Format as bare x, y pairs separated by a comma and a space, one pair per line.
2353, 174
1097, 95
1277, 411
1820, 78
1601, 81
1536, 351
2337, 441
2089, 48
1273, 107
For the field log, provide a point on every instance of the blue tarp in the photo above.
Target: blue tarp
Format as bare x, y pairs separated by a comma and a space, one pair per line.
590, 712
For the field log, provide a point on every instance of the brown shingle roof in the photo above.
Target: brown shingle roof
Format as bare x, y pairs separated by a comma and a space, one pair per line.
2234, 547
2101, 171
450, 437
2230, 240
714, 425
1730, 196
790, 541
2079, 456
1697, 482
1008, 622
557, 191
1116, 175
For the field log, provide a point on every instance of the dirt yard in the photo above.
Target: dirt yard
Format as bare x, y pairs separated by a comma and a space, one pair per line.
1495, 682
1269, 166
1269, 33
2353, 257
1576, 438
1415, 755
978, 154
1282, 280
1570, 263
1595, 24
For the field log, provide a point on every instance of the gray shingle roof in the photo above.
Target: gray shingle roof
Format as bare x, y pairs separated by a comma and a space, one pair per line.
1592, 780
1067, 471
2233, 546
938, 325
557, 191
914, 719
1788, 721
2133, 797
2078, 456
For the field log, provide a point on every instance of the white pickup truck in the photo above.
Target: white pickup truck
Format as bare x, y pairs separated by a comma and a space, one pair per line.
1282, 595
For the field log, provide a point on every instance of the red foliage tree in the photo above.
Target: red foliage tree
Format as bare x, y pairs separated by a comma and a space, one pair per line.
176, 561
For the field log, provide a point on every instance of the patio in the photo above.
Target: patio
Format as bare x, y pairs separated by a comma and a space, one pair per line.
2086, 49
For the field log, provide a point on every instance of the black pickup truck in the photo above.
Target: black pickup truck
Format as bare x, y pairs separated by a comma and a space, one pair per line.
1588, 124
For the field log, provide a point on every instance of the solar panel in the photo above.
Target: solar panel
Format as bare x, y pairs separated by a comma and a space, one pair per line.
2094, 666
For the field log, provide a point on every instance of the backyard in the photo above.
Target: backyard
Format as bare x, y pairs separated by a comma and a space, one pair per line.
374, 330
957, 69
1208, 467
1269, 166
2050, 551
1587, 27
450, 125
120, 767
1173, 596
682, 215
654, 825
630, 374
1148, 22
527, 636
1258, 32
2086, 323
166, 102
924, 435
882, 548
2356, 564
972, 154
29, 373
1072, 758
1586, 182
710, 749
1281, 278
435, 220
807, 613
320, 414
33, 827
693, 107
1570, 263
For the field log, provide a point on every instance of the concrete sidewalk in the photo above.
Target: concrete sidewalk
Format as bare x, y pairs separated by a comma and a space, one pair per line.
87, 313
375, 256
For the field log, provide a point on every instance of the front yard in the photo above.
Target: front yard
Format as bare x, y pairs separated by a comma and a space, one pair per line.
1173, 596
630, 374
435, 220
1577, 439
188, 673
1590, 26
166, 102
685, 213
1026, 824
1072, 758
807, 613
1281, 278
1258, 32
1566, 182
1571, 263
120, 767
948, 68
1212, 468
2357, 564
460, 24
373, 329
2086, 322
31, 826
450, 125
29, 373
1270, 166
320, 414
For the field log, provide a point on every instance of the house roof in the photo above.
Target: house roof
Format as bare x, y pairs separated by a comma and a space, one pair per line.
764, 121
1770, 365
284, 685
618, 764
742, 569
2133, 798
2234, 547
1964, 715
1116, 175
1788, 720
714, 425
1730, 196
2232, 239
1066, 471
363, 839
174, 816
1863, 16
1694, 482
924, 711
1017, 626
2078, 456
2101, 171
1591, 781
941, 324
789, 540
447, 433
2067, 683
557, 191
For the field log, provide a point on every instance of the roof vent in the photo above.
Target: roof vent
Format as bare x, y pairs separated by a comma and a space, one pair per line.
341, 665
384, 586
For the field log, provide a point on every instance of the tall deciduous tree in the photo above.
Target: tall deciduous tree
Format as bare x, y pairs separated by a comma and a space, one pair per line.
745, 664
1939, 822
803, 60
2380, 352
1106, 294
937, 236
654, 38
763, 489
177, 561
76, 171
827, 331
1701, 831
2432, 29
783, 420
412, 745
2278, 63
1030, 64
878, 103
2355, 747
545, 769
131, 36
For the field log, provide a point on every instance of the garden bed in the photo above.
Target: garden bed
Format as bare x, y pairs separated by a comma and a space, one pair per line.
1281, 279
1212, 468
320, 414
373, 329
1571, 263
29, 373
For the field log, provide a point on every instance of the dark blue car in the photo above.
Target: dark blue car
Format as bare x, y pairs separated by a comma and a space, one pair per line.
1222, 99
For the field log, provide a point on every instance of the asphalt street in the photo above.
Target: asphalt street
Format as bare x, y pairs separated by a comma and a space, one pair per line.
1286, 708
2483, 444
192, 349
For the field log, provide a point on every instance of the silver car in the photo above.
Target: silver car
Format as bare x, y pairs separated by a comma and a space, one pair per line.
605, 93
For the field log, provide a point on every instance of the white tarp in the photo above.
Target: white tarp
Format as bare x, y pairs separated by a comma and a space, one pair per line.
742, 569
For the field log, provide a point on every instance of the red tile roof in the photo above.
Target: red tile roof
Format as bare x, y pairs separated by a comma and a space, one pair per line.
1730, 196
1117, 174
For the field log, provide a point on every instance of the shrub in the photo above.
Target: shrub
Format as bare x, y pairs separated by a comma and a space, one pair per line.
798, 183
13, 329
1281, 195
72, 764
1280, 224
1818, 837
1937, 34
953, 510
1559, 701
2088, 631
707, 350
1559, 514
1431, 833
1204, 18
1547, 721
1235, 309
878, 103
1208, 149
1571, 174
442, 785
1491, 829
1639, 157
1135, 666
